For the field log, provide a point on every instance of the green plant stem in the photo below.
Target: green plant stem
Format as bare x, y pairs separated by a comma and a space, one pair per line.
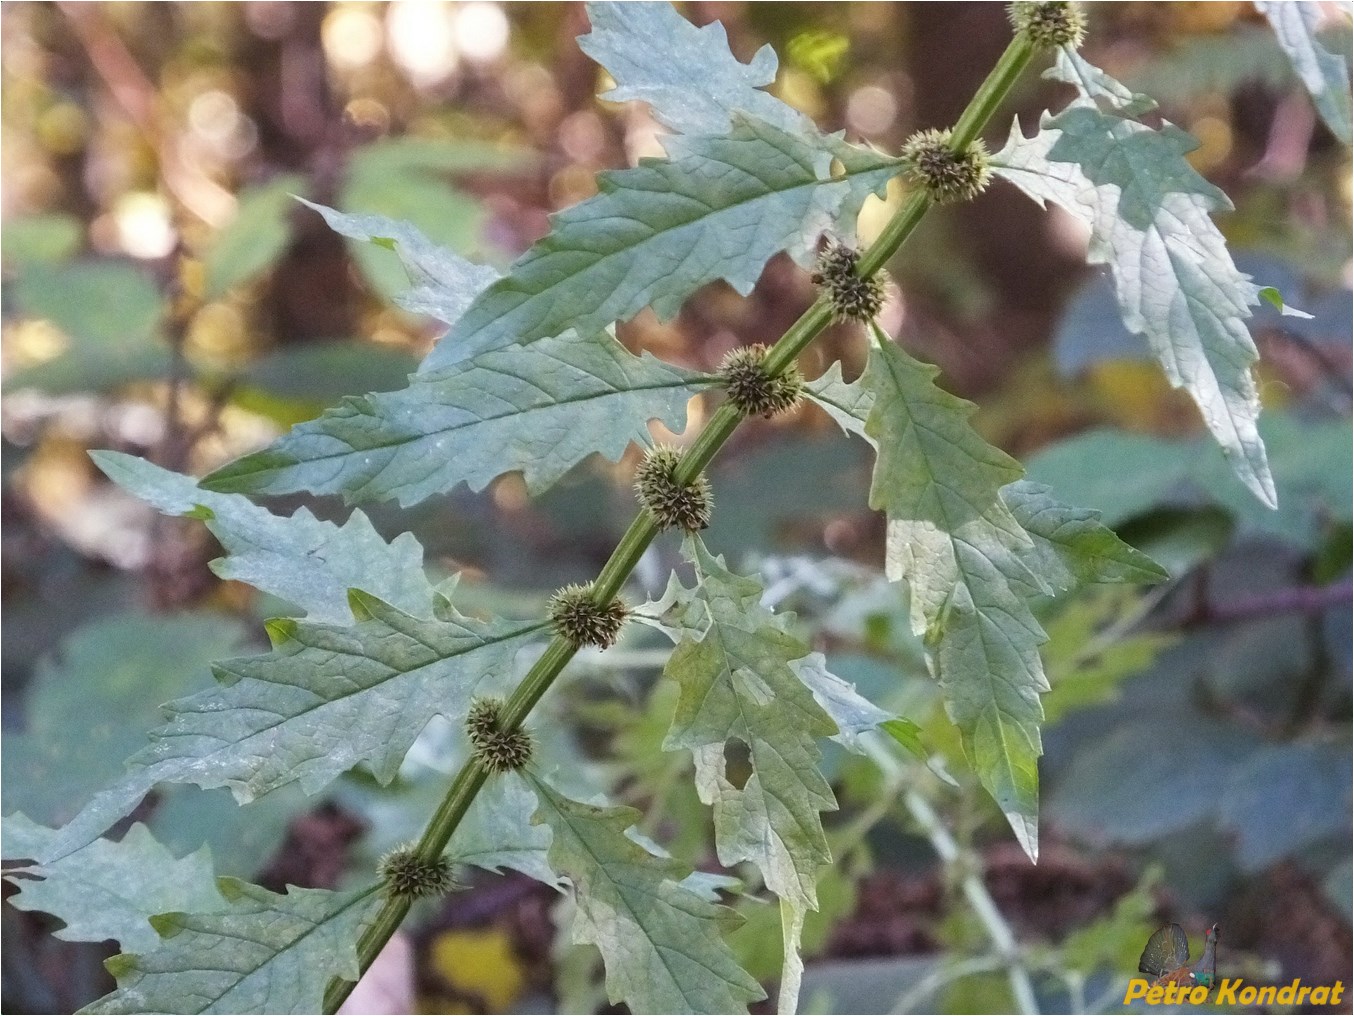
971, 884
722, 423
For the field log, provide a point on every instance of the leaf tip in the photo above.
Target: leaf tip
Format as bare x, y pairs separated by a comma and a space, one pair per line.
120, 965
362, 604
249, 474
165, 925
280, 630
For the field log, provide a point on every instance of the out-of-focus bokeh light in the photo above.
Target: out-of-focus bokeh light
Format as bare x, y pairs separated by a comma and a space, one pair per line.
871, 110
800, 90
352, 36
368, 114
144, 228
480, 30
33, 341
421, 40
582, 137
216, 120
1215, 143
62, 128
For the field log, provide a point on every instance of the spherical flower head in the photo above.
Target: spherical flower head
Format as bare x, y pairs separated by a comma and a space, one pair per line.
581, 621
672, 504
1049, 25
754, 391
946, 175
498, 750
853, 298
406, 874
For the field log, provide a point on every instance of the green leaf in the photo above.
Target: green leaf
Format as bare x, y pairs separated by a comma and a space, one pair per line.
87, 707
1093, 647
662, 944
1311, 462
906, 733
962, 552
109, 890
1122, 791
1070, 546
498, 832
720, 208
328, 698
259, 952
1323, 73
300, 558
444, 283
975, 543
538, 409
93, 370
1285, 797
847, 404
687, 75
851, 712
734, 666
1148, 211
254, 238
410, 179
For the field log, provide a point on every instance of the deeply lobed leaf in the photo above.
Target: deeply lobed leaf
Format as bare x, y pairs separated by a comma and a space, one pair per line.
538, 409
687, 75
329, 697
1148, 211
259, 952
301, 559
1324, 74
661, 941
976, 544
718, 208
734, 664
444, 283
108, 890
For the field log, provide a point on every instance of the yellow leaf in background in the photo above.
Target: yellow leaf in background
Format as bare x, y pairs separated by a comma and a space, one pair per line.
479, 963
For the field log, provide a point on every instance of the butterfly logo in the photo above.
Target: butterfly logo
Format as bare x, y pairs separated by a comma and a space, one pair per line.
1166, 957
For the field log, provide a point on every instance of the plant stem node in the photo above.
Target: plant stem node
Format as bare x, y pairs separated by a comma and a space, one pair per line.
498, 750
578, 618
406, 874
687, 505
946, 175
1049, 25
853, 298
754, 391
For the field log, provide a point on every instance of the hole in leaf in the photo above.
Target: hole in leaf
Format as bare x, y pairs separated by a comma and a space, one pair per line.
737, 762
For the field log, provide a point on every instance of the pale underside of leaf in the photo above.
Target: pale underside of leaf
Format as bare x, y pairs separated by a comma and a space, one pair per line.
734, 666
537, 409
975, 544
301, 559
1324, 74
662, 943
687, 75
497, 832
109, 890
444, 283
719, 208
328, 698
261, 952
1148, 212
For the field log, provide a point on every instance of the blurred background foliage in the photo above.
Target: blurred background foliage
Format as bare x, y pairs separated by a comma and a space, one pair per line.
164, 295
